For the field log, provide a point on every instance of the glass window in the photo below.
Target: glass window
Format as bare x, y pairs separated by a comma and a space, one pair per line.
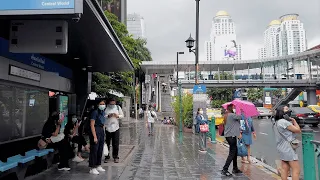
23, 112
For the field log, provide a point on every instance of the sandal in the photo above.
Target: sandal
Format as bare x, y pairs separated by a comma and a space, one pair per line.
226, 173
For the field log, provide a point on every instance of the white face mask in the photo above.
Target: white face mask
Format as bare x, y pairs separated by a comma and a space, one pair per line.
102, 107
201, 112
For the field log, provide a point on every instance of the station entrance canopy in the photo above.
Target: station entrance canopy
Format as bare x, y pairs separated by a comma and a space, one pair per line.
92, 43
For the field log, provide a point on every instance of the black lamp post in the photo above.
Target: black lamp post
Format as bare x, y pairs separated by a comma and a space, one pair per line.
190, 42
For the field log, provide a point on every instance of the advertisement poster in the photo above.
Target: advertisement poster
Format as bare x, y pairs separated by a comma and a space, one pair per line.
63, 109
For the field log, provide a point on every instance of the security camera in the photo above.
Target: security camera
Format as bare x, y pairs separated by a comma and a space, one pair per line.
76, 18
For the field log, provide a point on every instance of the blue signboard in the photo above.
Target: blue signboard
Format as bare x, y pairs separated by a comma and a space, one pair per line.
237, 94
35, 60
36, 4
198, 89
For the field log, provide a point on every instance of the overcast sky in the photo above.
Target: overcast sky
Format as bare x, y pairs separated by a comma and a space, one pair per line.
169, 22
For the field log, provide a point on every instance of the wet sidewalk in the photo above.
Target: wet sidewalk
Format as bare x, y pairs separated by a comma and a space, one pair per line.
159, 157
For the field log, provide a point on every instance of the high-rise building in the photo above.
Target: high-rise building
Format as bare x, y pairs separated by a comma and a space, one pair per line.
292, 35
223, 42
262, 53
136, 26
271, 42
208, 50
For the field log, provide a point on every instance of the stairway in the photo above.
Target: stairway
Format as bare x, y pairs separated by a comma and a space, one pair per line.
290, 97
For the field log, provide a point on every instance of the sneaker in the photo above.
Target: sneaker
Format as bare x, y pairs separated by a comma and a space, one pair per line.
116, 160
226, 173
77, 159
106, 159
94, 171
100, 169
236, 171
64, 169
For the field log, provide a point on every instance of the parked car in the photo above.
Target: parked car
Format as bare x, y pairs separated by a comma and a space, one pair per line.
304, 115
264, 112
314, 108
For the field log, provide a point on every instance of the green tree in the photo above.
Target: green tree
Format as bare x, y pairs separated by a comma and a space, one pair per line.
255, 94
187, 109
221, 95
121, 82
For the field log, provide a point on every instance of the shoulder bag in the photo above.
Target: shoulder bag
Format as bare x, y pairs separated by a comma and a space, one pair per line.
294, 143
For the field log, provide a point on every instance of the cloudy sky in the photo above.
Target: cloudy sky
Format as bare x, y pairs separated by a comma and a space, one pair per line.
169, 22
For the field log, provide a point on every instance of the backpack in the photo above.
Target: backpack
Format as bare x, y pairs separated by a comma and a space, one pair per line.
152, 115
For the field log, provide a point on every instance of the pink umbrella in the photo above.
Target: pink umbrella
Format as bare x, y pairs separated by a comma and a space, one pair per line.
248, 108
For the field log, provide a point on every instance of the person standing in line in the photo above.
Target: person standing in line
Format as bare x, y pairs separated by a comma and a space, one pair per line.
246, 135
231, 133
97, 139
203, 135
151, 115
286, 129
113, 115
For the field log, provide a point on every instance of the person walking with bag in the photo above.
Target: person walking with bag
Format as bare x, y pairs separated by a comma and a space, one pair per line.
231, 133
97, 139
202, 128
246, 136
151, 115
113, 115
286, 129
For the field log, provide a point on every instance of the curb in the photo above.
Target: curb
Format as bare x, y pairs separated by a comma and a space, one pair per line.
259, 164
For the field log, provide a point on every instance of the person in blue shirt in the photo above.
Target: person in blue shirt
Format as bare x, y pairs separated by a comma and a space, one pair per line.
246, 134
203, 139
96, 136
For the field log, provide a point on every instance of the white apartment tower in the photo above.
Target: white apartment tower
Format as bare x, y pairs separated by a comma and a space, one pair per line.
292, 35
271, 42
262, 53
223, 39
208, 50
136, 26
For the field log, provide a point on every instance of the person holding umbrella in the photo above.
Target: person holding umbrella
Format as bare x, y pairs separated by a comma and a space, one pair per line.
231, 133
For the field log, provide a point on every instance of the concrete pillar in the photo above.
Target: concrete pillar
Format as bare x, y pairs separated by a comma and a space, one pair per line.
157, 92
311, 96
293, 69
218, 72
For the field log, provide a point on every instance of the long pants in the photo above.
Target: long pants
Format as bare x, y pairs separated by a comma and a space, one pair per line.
80, 141
115, 138
65, 153
150, 127
233, 153
96, 149
203, 141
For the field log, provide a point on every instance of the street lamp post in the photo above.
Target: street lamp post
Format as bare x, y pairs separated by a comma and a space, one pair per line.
190, 42
179, 89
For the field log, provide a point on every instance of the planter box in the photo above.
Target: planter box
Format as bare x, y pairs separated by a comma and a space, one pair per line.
187, 130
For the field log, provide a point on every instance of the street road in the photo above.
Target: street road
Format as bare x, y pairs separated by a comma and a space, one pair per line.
264, 148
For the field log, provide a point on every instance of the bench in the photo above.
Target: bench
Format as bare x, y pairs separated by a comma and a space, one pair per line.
19, 164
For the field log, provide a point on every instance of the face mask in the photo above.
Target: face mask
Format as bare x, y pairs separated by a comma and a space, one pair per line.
201, 112
112, 105
102, 107
288, 112
74, 120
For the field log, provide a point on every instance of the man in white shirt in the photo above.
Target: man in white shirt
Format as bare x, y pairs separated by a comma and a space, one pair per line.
113, 115
151, 116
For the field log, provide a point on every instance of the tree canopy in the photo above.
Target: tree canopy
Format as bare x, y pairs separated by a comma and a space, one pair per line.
121, 82
221, 95
255, 94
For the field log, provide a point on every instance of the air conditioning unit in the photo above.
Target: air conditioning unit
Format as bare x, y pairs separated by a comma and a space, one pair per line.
39, 36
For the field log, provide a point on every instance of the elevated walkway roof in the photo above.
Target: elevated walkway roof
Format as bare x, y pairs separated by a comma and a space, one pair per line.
169, 66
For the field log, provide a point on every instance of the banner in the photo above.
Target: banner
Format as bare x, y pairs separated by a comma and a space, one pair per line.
63, 109
36, 4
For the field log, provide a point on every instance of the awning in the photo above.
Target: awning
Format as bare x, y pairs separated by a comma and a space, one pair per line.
92, 41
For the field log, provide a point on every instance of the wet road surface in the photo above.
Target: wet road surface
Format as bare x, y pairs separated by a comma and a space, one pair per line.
162, 156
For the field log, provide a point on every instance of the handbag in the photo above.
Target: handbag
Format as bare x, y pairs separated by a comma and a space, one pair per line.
294, 143
42, 144
204, 128
242, 148
221, 129
105, 150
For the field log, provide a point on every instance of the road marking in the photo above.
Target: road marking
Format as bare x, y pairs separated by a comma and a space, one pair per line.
264, 133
